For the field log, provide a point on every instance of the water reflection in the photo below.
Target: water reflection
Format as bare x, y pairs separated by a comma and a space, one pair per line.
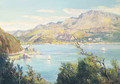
90, 46
28, 60
48, 61
103, 50
62, 54
38, 56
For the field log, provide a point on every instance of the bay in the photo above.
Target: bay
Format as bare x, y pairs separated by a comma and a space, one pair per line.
63, 54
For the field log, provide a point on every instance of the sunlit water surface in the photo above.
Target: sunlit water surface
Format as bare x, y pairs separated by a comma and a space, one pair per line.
62, 54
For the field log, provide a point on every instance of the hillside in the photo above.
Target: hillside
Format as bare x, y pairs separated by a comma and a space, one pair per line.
92, 26
8, 43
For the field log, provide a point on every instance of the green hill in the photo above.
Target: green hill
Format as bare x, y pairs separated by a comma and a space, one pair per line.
8, 43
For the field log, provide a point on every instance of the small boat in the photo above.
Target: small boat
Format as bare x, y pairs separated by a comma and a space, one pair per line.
38, 52
28, 60
48, 61
103, 49
49, 57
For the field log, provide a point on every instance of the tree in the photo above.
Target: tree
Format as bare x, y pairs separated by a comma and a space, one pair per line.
89, 70
67, 74
10, 74
31, 75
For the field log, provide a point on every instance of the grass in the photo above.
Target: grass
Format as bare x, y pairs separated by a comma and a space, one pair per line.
15, 56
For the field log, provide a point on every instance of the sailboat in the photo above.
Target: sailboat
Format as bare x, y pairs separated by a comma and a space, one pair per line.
49, 57
103, 49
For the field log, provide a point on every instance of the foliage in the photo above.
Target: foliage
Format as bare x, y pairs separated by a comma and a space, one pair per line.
90, 70
8, 43
10, 74
67, 74
87, 71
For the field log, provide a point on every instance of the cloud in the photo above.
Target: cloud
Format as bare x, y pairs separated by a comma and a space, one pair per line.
74, 12
45, 20
118, 0
20, 23
46, 11
115, 9
35, 20
10, 26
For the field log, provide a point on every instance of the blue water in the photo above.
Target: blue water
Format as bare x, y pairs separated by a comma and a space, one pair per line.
62, 54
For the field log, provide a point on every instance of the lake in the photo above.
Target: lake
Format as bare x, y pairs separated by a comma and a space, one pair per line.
65, 53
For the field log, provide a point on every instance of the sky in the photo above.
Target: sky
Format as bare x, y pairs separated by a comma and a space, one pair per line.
27, 14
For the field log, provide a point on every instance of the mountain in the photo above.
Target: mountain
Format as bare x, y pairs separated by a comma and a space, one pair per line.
8, 43
92, 26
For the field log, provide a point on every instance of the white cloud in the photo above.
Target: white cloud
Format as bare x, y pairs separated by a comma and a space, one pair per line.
10, 26
45, 20
35, 20
74, 12
115, 9
118, 0
45, 11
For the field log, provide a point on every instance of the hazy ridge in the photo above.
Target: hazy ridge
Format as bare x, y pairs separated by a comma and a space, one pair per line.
93, 26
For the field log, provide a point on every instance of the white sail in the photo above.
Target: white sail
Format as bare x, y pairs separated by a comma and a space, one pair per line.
49, 57
103, 49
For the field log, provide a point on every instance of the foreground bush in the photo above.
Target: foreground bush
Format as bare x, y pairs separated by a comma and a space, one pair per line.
9, 74
90, 70
86, 71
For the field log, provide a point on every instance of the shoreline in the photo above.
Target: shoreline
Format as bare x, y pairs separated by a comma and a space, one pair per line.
22, 55
70, 43
17, 55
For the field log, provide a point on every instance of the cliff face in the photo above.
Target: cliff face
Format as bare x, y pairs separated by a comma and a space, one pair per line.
8, 43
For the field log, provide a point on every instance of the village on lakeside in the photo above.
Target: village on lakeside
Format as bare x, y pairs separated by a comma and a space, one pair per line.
24, 54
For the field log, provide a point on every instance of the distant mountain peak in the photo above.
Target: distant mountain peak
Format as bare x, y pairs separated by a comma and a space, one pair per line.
51, 23
92, 22
97, 13
59, 22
